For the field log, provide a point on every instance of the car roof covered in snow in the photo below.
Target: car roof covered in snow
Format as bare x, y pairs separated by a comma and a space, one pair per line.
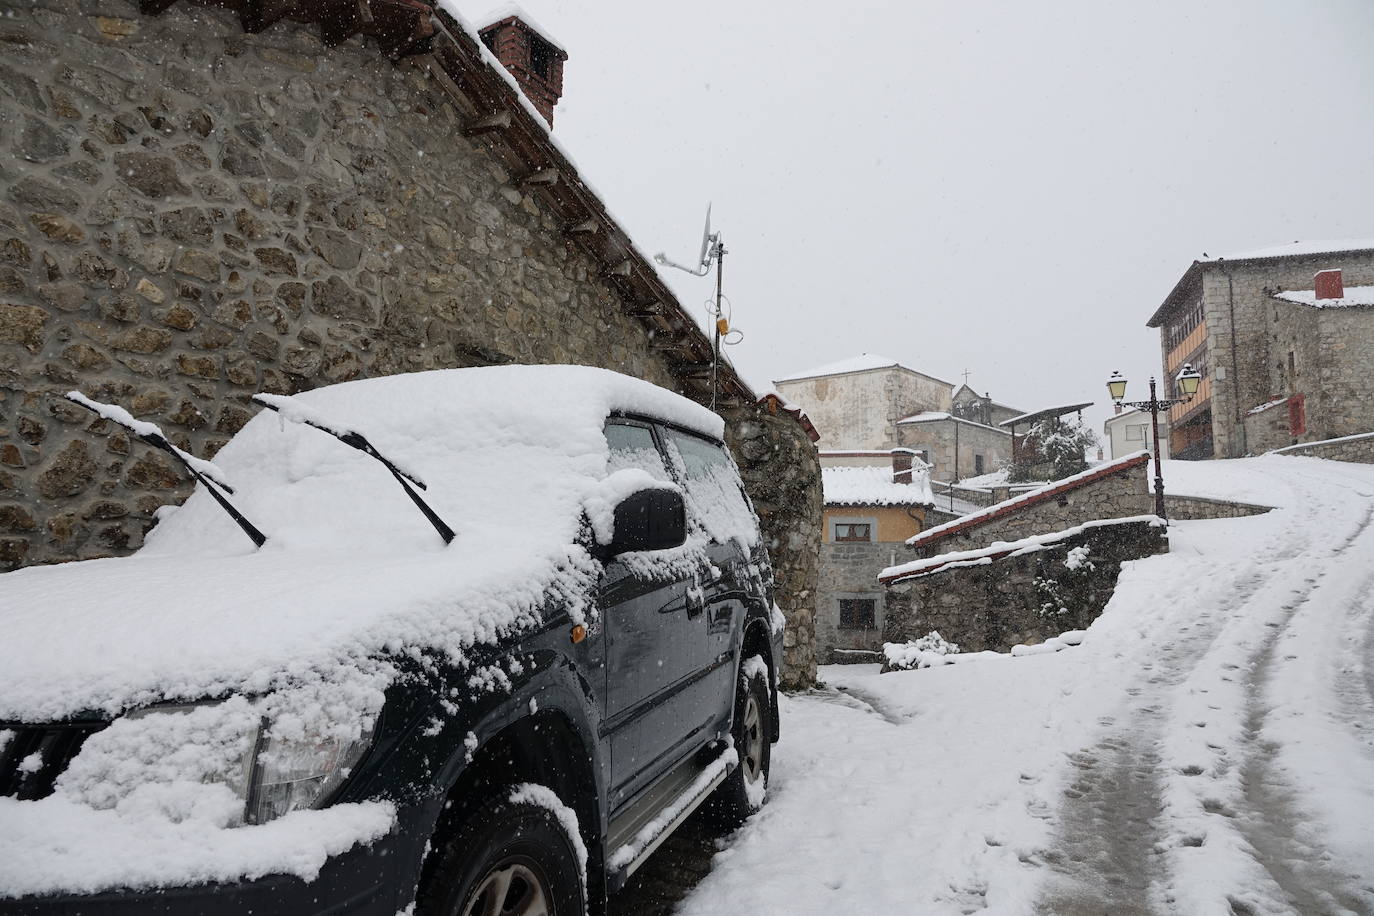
510, 454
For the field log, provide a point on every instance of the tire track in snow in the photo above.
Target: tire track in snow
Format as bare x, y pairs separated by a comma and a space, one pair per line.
1114, 851
1273, 818
1105, 857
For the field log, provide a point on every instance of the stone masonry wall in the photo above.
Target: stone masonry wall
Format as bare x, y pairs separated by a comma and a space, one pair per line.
1191, 508
1018, 600
1118, 495
1359, 449
781, 471
191, 214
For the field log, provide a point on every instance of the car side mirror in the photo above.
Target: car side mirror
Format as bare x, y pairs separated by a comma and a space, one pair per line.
652, 519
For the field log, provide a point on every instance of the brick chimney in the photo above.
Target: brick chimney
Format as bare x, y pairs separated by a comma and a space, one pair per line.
530, 54
1329, 285
901, 465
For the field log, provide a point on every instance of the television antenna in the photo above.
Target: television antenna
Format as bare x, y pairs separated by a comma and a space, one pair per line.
712, 251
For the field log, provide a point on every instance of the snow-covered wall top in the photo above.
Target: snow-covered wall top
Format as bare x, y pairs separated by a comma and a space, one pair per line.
1354, 295
874, 486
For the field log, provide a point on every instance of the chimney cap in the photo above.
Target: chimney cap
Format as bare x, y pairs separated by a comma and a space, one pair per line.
512, 13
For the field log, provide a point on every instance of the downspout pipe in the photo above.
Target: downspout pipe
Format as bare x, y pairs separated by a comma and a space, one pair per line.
1235, 367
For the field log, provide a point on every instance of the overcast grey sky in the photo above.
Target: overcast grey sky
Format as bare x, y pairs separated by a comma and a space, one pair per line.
1010, 188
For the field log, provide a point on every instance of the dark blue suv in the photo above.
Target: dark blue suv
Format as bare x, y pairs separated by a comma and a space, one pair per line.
460, 642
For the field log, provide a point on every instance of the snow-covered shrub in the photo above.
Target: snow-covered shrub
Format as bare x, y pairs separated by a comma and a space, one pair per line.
1062, 594
925, 652
1078, 558
1063, 442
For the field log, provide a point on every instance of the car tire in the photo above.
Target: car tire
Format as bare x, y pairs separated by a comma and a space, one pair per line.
514, 849
742, 793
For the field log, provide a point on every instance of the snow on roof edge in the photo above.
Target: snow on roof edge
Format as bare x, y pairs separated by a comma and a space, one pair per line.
915, 568
1068, 482
1362, 295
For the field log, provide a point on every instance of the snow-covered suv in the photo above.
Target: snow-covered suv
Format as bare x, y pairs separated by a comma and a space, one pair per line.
471, 640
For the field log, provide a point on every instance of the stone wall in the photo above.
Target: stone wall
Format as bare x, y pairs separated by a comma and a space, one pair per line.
782, 474
1359, 449
1191, 508
191, 214
1118, 494
1020, 599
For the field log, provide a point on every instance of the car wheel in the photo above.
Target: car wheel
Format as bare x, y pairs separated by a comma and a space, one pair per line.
743, 791
508, 859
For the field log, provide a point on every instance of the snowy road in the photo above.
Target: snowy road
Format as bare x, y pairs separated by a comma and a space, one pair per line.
1209, 749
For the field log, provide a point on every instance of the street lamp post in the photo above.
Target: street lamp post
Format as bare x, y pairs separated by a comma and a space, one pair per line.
1188, 381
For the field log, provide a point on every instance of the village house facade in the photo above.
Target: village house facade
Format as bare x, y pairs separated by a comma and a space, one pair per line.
868, 405
201, 202
1282, 337
1129, 430
870, 513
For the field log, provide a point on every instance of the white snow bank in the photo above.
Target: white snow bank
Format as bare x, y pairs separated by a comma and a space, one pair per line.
350, 569
925, 653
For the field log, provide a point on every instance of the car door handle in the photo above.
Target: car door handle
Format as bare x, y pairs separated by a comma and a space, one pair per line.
696, 598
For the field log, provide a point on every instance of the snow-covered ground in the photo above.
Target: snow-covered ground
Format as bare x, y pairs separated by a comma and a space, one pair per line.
1208, 749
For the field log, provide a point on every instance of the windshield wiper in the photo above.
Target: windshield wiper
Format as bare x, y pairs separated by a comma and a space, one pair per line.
296, 412
203, 471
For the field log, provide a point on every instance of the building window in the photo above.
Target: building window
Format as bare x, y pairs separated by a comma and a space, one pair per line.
856, 613
853, 531
1135, 432
977, 465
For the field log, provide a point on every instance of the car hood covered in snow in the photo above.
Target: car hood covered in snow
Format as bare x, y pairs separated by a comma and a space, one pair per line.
351, 570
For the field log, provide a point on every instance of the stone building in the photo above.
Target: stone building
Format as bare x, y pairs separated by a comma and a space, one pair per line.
870, 512
868, 405
1283, 339
207, 201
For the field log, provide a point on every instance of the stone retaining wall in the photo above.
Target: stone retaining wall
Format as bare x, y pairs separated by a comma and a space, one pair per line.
191, 214
1120, 494
1190, 508
1018, 599
1359, 449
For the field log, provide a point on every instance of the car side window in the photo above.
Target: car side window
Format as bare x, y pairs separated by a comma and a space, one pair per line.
632, 446
715, 497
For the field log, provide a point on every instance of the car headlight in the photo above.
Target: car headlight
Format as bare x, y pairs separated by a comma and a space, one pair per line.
273, 759
299, 771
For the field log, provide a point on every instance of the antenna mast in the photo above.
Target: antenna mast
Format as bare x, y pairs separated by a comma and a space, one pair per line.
712, 250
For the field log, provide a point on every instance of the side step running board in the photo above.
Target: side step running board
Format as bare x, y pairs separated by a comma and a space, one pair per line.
627, 854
